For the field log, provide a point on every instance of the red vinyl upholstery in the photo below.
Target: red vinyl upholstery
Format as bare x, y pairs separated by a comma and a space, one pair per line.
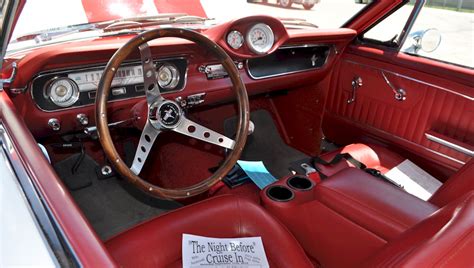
445, 239
382, 159
373, 204
371, 155
157, 243
374, 222
457, 185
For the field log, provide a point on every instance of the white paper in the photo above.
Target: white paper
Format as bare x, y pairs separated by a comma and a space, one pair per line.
414, 180
200, 251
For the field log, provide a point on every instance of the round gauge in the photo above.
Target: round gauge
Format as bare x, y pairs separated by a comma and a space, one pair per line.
168, 76
260, 38
63, 92
235, 39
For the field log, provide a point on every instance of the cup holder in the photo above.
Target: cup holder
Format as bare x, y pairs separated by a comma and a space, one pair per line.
300, 183
280, 193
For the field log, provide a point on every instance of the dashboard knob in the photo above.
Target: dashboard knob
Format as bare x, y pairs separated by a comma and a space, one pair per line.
82, 119
54, 124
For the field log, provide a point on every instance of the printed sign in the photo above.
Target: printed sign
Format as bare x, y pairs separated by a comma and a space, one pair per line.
200, 251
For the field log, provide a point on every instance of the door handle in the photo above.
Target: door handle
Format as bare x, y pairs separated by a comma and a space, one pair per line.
356, 83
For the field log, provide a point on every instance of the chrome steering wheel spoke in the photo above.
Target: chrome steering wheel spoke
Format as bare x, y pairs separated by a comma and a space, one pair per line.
145, 144
150, 82
197, 131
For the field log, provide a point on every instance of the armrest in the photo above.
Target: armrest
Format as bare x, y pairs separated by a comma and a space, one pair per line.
373, 204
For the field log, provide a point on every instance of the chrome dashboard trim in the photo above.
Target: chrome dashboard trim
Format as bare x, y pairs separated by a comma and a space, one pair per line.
450, 145
331, 48
97, 66
414, 79
43, 214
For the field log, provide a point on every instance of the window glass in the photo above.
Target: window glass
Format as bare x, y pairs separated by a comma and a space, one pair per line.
390, 28
443, 30
43, 21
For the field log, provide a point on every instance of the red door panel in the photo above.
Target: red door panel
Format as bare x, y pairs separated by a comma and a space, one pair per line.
434, 105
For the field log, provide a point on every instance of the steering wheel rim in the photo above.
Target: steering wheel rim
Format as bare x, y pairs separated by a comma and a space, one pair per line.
102, 123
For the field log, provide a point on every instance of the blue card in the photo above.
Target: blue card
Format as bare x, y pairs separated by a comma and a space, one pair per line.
257, 172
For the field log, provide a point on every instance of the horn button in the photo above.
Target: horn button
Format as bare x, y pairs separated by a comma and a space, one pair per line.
165, 114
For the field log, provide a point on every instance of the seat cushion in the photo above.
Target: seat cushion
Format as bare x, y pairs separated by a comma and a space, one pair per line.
372, 203
457, 185
445, 239
157, 243
371, 155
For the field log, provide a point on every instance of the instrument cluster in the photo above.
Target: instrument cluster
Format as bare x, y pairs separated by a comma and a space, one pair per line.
77, 87
259, 38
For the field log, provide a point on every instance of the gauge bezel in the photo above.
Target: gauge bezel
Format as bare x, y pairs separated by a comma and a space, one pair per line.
241, 36
74, 96
268, 46
175, 77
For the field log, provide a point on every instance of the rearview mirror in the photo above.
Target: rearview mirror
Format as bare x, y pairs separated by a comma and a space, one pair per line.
426, 40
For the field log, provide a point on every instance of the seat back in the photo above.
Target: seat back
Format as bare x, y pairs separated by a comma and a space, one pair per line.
456, 186
446, 238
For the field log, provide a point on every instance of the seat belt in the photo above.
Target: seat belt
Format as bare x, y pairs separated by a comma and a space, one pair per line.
345, 156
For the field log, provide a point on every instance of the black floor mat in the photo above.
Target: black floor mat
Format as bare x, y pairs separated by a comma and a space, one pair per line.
265, 144
110, 205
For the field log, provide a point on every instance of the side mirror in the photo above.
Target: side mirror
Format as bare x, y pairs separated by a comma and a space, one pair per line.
426, 40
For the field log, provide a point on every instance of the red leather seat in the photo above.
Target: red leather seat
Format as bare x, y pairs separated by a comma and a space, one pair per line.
371, 203
157, 243
354, 214
358, 215
457, 185
445, 239
382, 159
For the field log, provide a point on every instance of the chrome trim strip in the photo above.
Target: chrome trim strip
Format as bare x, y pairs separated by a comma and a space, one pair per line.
414, 79
97, 66
445, 156
450, 145
331, 48
51, 228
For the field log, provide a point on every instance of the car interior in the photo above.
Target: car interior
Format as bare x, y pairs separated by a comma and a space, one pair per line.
133, 140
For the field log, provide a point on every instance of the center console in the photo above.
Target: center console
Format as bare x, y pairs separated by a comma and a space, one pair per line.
351, 211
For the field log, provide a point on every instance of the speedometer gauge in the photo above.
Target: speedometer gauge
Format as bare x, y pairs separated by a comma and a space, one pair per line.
260, 38
63, 92
235, 39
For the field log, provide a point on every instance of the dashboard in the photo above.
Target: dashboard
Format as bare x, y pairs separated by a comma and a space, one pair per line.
58, 83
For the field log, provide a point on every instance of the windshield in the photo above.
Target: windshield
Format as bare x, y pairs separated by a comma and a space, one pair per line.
41, 21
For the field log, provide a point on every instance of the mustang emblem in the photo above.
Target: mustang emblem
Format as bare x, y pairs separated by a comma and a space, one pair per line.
169, 114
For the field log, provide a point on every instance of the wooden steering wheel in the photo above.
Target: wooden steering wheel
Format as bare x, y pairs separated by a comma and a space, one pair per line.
167, 115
